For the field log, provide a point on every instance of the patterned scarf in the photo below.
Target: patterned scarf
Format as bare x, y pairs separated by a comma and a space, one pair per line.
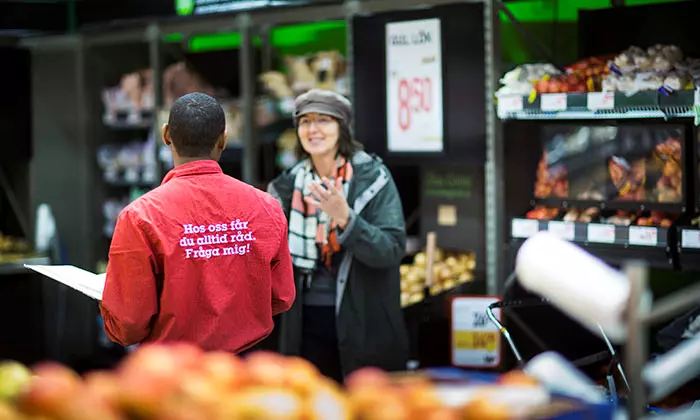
309, 227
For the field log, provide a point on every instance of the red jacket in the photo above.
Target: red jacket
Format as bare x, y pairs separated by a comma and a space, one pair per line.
201, 258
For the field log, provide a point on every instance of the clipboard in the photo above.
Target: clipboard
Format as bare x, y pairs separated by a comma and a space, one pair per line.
85, 282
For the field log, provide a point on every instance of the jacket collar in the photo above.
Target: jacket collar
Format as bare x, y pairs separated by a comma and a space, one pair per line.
197, 167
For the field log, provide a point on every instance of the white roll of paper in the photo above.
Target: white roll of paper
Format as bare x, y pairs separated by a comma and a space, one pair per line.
577, 283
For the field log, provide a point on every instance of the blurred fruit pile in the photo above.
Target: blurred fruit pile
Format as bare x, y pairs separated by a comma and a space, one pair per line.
176, 382
374, 395
449, 270
179, 381
12, 248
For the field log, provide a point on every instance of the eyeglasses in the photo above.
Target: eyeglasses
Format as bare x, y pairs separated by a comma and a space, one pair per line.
321, 122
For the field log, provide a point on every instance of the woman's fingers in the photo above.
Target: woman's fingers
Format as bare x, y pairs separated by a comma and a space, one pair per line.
319, 192
311, 201
329, 184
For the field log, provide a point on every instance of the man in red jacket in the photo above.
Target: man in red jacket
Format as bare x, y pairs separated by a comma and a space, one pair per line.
202, 258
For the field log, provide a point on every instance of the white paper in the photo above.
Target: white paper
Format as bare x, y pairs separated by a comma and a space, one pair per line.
414, 86
87, 283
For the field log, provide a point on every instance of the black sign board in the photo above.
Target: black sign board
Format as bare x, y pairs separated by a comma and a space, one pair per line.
452, 203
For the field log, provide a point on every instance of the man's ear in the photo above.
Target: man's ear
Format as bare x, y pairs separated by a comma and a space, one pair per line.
166, 135
221, 143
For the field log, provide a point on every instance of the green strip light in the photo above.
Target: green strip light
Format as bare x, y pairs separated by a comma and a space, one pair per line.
310, 37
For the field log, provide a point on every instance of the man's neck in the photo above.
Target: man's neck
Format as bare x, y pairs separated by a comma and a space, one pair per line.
183, 160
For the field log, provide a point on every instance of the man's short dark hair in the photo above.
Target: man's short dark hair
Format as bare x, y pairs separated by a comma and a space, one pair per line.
195, 124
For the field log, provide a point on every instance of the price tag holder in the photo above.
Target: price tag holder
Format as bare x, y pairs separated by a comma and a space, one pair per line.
508, 104
476, 340
600, 100
564, 230
601, 233
524, 228
690, 238
550, 102
643, 236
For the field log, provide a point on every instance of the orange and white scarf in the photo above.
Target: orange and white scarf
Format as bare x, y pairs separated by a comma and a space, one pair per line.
309, 227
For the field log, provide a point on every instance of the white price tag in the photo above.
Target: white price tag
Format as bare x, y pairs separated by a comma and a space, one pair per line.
510, 104
564, 230
643, 235
476, 341
601, 233
601, 100
524, 228
414, 87
690, 238
553, 101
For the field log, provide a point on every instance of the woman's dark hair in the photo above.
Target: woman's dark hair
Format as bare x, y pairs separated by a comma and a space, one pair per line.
346, 145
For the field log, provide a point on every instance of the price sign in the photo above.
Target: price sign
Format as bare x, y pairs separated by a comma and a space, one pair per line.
601, 233
476, 340
690, 238
643, 235
414, 86
524, 228
508, 104
564, 230
553, 102
601, 100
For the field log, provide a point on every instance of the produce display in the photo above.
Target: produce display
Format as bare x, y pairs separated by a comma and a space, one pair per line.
323, 70
133, 95
11, 246
596, 215
131, 163
631, 163
179, 381
659, 67
449, 271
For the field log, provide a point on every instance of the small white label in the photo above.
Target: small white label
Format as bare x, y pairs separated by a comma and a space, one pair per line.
601, 100
690, 238
564, 230
643, 235
510, 103
553, 102
601, 233
524, 228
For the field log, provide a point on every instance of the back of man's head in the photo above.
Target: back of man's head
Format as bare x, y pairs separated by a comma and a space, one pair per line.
195, 124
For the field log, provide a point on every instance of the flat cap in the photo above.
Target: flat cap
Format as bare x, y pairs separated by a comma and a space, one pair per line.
324, 102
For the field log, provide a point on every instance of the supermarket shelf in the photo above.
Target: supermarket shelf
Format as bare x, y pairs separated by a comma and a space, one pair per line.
598, 105
16, 266
594, 233
566, 203
130, 120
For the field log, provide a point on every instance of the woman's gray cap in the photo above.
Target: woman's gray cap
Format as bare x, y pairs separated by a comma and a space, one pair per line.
326, 102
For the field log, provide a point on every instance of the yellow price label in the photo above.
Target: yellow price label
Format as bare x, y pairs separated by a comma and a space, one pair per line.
476, 340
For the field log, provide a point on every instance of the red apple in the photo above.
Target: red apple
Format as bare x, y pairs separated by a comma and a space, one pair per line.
51, 390
225, 370
266, 369
371, 377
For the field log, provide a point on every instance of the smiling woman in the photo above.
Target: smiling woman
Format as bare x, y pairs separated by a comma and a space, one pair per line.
346, 237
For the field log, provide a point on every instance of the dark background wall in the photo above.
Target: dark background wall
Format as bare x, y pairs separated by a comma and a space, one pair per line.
61, 176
